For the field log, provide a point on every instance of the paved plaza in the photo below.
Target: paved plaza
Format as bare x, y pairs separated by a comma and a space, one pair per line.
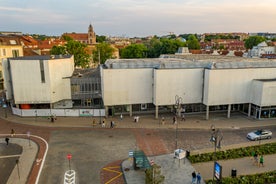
100, 155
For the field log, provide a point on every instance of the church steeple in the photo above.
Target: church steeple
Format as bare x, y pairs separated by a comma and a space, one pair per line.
91, 35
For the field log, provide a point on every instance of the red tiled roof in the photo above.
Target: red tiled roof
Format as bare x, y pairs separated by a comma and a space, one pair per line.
77, 36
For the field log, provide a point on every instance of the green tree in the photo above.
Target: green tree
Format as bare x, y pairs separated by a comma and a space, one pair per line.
79, 50
57, 50
253, 41
168, 46
100, 39
154, 48
102, 52
134, 51
153, 175
193, 43
66, 38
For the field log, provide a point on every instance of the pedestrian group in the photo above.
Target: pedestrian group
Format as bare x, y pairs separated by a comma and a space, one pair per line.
196, 178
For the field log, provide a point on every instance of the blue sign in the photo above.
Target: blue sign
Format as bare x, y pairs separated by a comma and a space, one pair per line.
217, 171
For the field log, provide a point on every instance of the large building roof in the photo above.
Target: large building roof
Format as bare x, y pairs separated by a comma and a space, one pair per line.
191, 61
42, 57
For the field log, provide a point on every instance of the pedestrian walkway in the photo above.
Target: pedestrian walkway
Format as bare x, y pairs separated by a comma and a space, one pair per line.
179, 171
243, 166
175, 170
193, 121
22, 170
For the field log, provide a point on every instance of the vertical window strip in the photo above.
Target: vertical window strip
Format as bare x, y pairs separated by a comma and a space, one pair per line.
42, 72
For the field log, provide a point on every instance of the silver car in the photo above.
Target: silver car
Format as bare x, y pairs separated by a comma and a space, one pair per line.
259, 134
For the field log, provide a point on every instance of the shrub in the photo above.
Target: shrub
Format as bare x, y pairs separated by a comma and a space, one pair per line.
264, 149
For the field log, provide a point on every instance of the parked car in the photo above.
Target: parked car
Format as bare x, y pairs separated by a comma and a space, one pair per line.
259, 134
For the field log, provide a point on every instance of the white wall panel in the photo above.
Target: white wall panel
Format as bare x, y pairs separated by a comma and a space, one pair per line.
127, 86
185, 83
27, 85
269, 93
232, 86
256, 92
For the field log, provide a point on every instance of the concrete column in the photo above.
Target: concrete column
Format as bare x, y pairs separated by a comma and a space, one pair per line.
130, 110
106, 111
207, 112
156, 111
229, 111
260, 112
249, 110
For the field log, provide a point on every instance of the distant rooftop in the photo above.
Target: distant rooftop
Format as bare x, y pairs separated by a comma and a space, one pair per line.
191, 61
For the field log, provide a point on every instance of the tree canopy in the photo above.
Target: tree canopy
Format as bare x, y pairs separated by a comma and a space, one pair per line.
100, 39
193, 43
157, 46
253, 41
102, 52
79, 50
152, 48
134, 51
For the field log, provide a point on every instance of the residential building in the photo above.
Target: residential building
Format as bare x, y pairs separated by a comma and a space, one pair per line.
9, 47
260, 49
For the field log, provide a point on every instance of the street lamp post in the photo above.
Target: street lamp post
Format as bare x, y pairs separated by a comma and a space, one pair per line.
216, 138
178, 102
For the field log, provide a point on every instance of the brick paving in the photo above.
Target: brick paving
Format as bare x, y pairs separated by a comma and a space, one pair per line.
150, 142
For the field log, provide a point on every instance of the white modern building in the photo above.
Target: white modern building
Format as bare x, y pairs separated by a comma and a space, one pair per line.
39, 81
196, 83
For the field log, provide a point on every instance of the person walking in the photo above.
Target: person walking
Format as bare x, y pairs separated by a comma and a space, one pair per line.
121, 116
174, 120
198, 178
112, 124
261, 161
193, 177
252, 154
7, 140
255, 159
163, 121
183, 117
94, 122
12, 132
103, 124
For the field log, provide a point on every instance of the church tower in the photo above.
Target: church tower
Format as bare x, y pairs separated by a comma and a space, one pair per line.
91, 35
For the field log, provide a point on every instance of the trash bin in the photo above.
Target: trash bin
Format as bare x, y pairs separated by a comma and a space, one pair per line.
187, 153
234, 173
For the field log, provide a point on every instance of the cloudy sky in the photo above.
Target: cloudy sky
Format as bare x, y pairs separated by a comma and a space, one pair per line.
137, 17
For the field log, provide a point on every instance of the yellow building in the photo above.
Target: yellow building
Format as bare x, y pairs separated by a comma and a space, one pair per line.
10, 47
